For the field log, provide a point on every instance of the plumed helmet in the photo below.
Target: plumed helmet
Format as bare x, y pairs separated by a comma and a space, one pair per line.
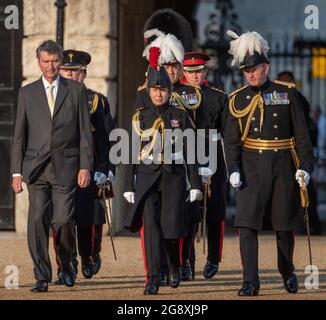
169, 21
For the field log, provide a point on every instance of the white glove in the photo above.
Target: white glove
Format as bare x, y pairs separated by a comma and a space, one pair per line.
129, 196
99, 177
306, 177
110, 176
205, 173
195, 194
235, 180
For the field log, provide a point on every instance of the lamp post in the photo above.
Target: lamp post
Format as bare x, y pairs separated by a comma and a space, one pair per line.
60, 4
217, 43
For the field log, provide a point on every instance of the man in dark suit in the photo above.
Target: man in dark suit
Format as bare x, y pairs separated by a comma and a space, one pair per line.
52, 153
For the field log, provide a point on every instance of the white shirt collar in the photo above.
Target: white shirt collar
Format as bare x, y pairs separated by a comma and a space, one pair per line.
47, 84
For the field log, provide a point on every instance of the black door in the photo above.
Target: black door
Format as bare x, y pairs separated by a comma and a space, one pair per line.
10, 81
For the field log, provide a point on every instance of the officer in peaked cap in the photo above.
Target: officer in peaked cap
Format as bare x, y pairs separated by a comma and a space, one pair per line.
75, 60
194, 61
90, 216
207, 108
268, 148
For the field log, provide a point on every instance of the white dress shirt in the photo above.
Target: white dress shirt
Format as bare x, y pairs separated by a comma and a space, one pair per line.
55, 83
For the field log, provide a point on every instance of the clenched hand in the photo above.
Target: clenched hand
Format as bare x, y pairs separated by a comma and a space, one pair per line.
84, 178
17, 184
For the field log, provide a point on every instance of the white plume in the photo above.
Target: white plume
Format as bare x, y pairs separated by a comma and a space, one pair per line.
171, 48
153, 32
248, 42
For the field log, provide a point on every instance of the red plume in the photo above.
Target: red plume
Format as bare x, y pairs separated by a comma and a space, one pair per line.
154, 54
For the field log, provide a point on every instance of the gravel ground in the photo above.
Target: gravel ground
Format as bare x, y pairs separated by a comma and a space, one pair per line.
124, 279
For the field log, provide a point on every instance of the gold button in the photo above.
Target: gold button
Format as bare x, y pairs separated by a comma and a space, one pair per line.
275, 126
260, 151
256, 129
275, 114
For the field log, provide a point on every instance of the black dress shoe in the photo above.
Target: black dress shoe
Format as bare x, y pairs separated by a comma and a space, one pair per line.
175, 278
97, 262
164, 279
69, 278
291, 284
248, 290
87, 267
152, 287
40, 287
186, 273
59, 280
210, 270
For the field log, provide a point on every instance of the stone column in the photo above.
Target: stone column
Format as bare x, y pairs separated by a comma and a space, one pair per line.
92, 26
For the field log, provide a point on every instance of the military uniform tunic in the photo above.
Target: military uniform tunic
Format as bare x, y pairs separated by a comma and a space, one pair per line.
269, 194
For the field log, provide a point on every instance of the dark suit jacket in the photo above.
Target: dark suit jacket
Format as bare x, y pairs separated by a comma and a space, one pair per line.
66, 138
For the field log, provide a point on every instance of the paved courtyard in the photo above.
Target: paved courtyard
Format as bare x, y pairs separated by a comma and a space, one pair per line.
124, 279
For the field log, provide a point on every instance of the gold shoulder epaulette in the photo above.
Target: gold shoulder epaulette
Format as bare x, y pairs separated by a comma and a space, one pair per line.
218, 90
284, 83
142, 86
94, 103
236, 91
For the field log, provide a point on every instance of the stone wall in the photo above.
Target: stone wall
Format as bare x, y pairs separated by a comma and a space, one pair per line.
90, 26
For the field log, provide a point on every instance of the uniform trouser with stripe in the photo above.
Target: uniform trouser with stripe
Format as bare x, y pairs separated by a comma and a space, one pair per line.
249, 254
215, 235
152, 239
89, 239
188, 247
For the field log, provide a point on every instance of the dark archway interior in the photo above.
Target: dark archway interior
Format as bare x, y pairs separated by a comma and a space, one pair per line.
132, 66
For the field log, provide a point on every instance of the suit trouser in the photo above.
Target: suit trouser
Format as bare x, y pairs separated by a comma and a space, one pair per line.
152, 237
44, 193
249, 254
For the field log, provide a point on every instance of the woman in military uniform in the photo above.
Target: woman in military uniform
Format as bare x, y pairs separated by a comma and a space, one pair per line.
158, 190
